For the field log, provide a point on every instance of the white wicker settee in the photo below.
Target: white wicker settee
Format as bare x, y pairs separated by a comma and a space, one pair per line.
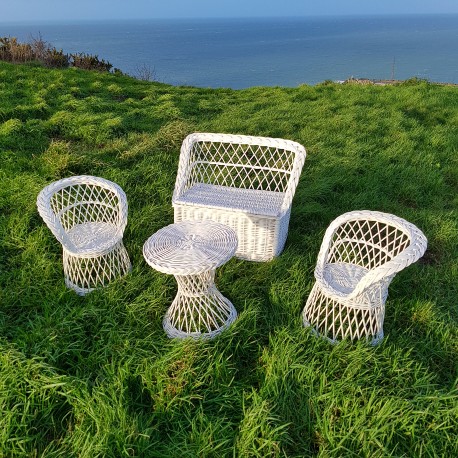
360, 254
245, 182
88, 216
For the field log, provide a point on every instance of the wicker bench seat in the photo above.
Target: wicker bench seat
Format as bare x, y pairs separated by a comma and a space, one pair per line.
255, 202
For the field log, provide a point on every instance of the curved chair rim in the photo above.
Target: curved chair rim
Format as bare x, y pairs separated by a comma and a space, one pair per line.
414, 251
53, 222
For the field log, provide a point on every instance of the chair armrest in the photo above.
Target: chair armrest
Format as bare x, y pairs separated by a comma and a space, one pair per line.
392, 267
50, 218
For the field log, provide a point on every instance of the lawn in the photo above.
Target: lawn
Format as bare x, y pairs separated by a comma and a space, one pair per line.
96, 376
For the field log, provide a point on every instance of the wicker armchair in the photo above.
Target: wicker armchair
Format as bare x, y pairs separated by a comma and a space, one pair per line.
360, 254
247, 183
88, 216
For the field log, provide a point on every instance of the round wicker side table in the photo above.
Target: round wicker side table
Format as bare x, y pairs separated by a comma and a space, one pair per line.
191, 251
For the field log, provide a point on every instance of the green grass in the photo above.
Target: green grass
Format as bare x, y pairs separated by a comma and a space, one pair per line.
97, 376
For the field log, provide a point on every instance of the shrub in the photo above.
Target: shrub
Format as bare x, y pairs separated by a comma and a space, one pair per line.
41, 51
145, 73
5, 53
56, 59
89, 62
13, 51
38, 50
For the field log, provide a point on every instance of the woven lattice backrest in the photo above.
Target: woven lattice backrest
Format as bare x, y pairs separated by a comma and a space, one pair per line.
239, 161
81, 199
367, 243
83, 202
240, 166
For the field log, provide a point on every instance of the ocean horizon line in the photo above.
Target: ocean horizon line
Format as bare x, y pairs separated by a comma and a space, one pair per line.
265, 51
223, 18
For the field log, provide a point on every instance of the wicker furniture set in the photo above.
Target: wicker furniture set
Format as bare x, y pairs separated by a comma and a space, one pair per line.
233, 196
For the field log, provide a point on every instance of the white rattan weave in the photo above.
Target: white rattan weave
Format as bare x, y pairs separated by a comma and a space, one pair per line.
88, 216
191, 251
360, 254
247, 183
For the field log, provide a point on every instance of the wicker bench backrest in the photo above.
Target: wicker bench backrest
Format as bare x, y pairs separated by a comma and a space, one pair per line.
239, 161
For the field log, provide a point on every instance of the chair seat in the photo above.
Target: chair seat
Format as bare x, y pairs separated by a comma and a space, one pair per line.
343, 277
256, 202
95, 237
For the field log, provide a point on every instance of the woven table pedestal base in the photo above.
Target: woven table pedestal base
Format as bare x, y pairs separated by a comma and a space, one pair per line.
199, 309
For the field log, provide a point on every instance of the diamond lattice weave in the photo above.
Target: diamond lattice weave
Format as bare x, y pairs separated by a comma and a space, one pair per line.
199, 309
88, 216
361, 253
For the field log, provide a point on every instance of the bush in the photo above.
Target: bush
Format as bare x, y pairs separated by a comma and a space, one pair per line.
40, 51
89, 62
13, 51
145, 73
56, 59
40, 48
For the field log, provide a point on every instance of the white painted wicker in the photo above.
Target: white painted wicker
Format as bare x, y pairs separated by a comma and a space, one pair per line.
191, 251
360, 254
247, 183
88, 216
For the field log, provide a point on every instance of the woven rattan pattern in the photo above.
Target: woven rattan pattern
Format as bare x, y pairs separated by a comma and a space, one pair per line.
360, 254
88, 216
253, 178
191, 251
190, 247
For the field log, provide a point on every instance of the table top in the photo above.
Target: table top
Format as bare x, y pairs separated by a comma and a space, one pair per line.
190, 247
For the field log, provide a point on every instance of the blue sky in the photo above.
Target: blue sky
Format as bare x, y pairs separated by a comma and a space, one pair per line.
41, 10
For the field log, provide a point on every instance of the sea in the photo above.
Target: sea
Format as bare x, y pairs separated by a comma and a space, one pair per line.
241, 53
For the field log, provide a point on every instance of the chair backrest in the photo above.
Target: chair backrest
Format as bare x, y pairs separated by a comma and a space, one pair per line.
81, 199
367, 243
380, 242
240, 161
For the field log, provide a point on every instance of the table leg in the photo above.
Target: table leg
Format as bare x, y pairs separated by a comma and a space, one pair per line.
199, 309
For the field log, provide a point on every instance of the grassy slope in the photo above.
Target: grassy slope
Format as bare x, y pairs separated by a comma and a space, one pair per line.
96, 376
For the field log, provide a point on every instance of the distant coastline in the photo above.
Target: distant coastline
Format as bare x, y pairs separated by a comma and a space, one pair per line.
265, 52
367, 81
